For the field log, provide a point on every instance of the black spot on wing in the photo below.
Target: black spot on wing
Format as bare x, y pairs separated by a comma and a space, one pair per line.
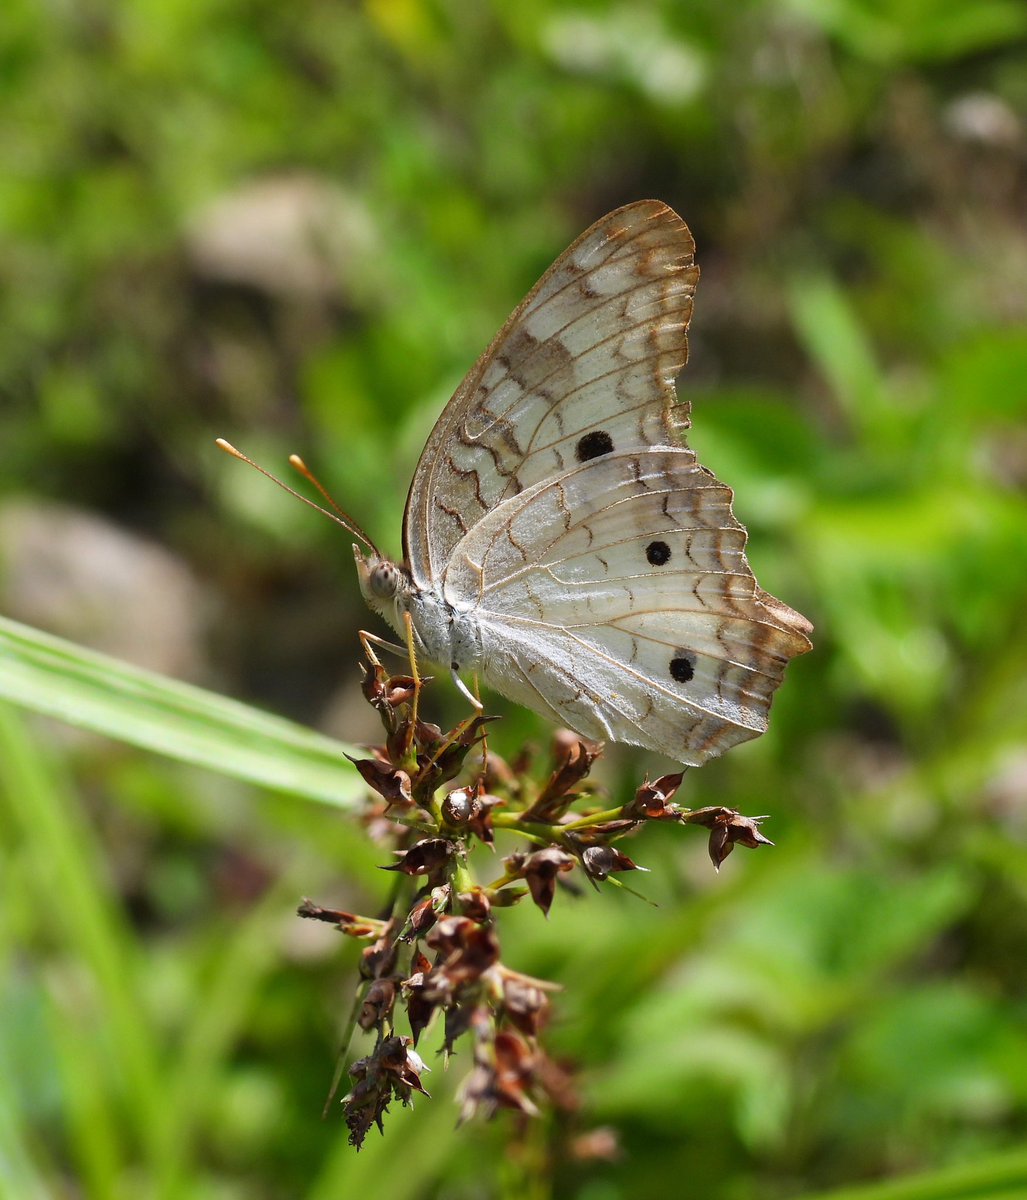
657, 553
682, 667
592, 445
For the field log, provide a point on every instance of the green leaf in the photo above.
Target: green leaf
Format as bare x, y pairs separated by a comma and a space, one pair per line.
99, 693
68, 895
1003, 1177
833, 338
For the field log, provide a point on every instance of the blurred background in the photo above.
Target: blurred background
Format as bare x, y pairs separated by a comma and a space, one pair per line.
296, 226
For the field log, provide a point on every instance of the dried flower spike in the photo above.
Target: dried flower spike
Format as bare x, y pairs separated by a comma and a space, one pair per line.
438, 956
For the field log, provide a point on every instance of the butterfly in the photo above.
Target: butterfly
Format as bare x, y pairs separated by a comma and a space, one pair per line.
560, 540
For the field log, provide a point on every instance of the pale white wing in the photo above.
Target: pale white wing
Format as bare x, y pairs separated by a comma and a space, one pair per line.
617, 599
584, 366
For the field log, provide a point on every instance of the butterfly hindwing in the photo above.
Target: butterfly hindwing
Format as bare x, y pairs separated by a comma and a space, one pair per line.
618, 597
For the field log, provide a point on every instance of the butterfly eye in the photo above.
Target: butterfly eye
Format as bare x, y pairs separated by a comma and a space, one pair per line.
384, 579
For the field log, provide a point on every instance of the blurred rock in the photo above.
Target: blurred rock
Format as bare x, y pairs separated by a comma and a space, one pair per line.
1005, 793
81, 577
293, 235
982, 117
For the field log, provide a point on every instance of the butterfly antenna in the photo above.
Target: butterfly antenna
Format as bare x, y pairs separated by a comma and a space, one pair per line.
338, 516
298, 464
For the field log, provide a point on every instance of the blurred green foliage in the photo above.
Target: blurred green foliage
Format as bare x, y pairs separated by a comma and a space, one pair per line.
296, 226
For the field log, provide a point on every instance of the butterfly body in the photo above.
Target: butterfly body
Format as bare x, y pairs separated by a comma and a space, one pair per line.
442, 632
560, 540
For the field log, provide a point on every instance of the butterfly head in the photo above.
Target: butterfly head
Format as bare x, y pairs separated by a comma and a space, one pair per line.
381, 580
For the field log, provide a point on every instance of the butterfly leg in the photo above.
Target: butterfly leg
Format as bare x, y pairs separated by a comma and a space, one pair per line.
484, 731
408, 626
369, 639
466, 692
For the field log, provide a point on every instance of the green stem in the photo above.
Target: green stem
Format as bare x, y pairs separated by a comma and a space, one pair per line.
609, 814
461, 878
518, 824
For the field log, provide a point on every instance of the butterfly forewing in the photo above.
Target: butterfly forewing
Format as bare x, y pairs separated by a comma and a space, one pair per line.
591, 353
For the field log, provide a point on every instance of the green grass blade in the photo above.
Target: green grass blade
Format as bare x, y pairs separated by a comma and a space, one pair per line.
68, 897
1001, 1177
95, 1134
246, 956
23, 1160
832, 337
19, 1175
99, 693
